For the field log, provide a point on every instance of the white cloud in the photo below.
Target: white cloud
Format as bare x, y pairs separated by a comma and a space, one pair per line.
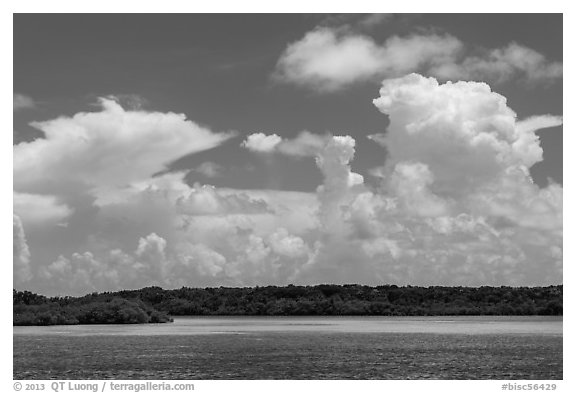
200, 259
151, 255
474, 158
305, 144
34, 209
21, 253
455, 206
212, 236
334, 162
333, 155
329, 59
22, 101
285, 244
112, 147
206, 200
535, 123
260, 142
410, 183
113, 269
502, 64
464, 132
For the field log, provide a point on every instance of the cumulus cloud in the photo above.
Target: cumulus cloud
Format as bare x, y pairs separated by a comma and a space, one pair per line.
331, 58
305, 144
333, 155
22, 101
410, 182
285, 244
36, 209
151, 258
205, 235
237, 257
501, 64
260, 142
209, 236
455, 205
21, 261
112, 147
334, 162
464, 132
469, 156
206, 200
114, 269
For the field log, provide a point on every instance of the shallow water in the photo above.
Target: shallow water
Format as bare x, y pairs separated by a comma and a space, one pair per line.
296, 348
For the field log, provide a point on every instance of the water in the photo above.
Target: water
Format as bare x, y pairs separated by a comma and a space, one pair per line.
296, 348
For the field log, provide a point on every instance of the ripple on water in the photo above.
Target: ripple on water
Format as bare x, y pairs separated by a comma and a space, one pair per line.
289, 355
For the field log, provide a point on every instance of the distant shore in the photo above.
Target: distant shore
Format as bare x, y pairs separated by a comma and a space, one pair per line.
157, 305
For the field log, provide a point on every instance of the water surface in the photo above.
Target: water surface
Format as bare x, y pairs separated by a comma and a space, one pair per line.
296, 348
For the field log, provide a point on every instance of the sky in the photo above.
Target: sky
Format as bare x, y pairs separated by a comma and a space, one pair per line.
255, 149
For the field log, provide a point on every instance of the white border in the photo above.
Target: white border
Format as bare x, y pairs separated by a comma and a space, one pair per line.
302, 6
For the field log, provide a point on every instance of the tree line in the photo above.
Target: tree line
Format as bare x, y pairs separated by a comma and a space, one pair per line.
32, 309
154, 304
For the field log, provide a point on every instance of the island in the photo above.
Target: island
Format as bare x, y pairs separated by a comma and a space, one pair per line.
157, 305
30, 309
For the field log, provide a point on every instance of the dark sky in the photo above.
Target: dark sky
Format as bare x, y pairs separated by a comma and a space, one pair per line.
217, 70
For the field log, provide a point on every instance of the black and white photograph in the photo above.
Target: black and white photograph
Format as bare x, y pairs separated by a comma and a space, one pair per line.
287, 196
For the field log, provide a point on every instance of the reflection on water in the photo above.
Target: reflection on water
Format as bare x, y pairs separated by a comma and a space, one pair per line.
296, 348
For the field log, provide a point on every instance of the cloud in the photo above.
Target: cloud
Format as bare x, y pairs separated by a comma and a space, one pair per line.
151, 257
373, 20
115, 269
454, 205
470, 155
260, 142
209, 169
112, 147
305, 144
206, 200
464, 132
535, 123
331, 58
22, 101
355, 22
334, 163
285, 244
234, 257
333, 155
21, 260
34, 209
501, 64
410, 182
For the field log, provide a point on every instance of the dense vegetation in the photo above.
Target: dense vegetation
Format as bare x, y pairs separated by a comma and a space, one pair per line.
31, 309
153, 304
